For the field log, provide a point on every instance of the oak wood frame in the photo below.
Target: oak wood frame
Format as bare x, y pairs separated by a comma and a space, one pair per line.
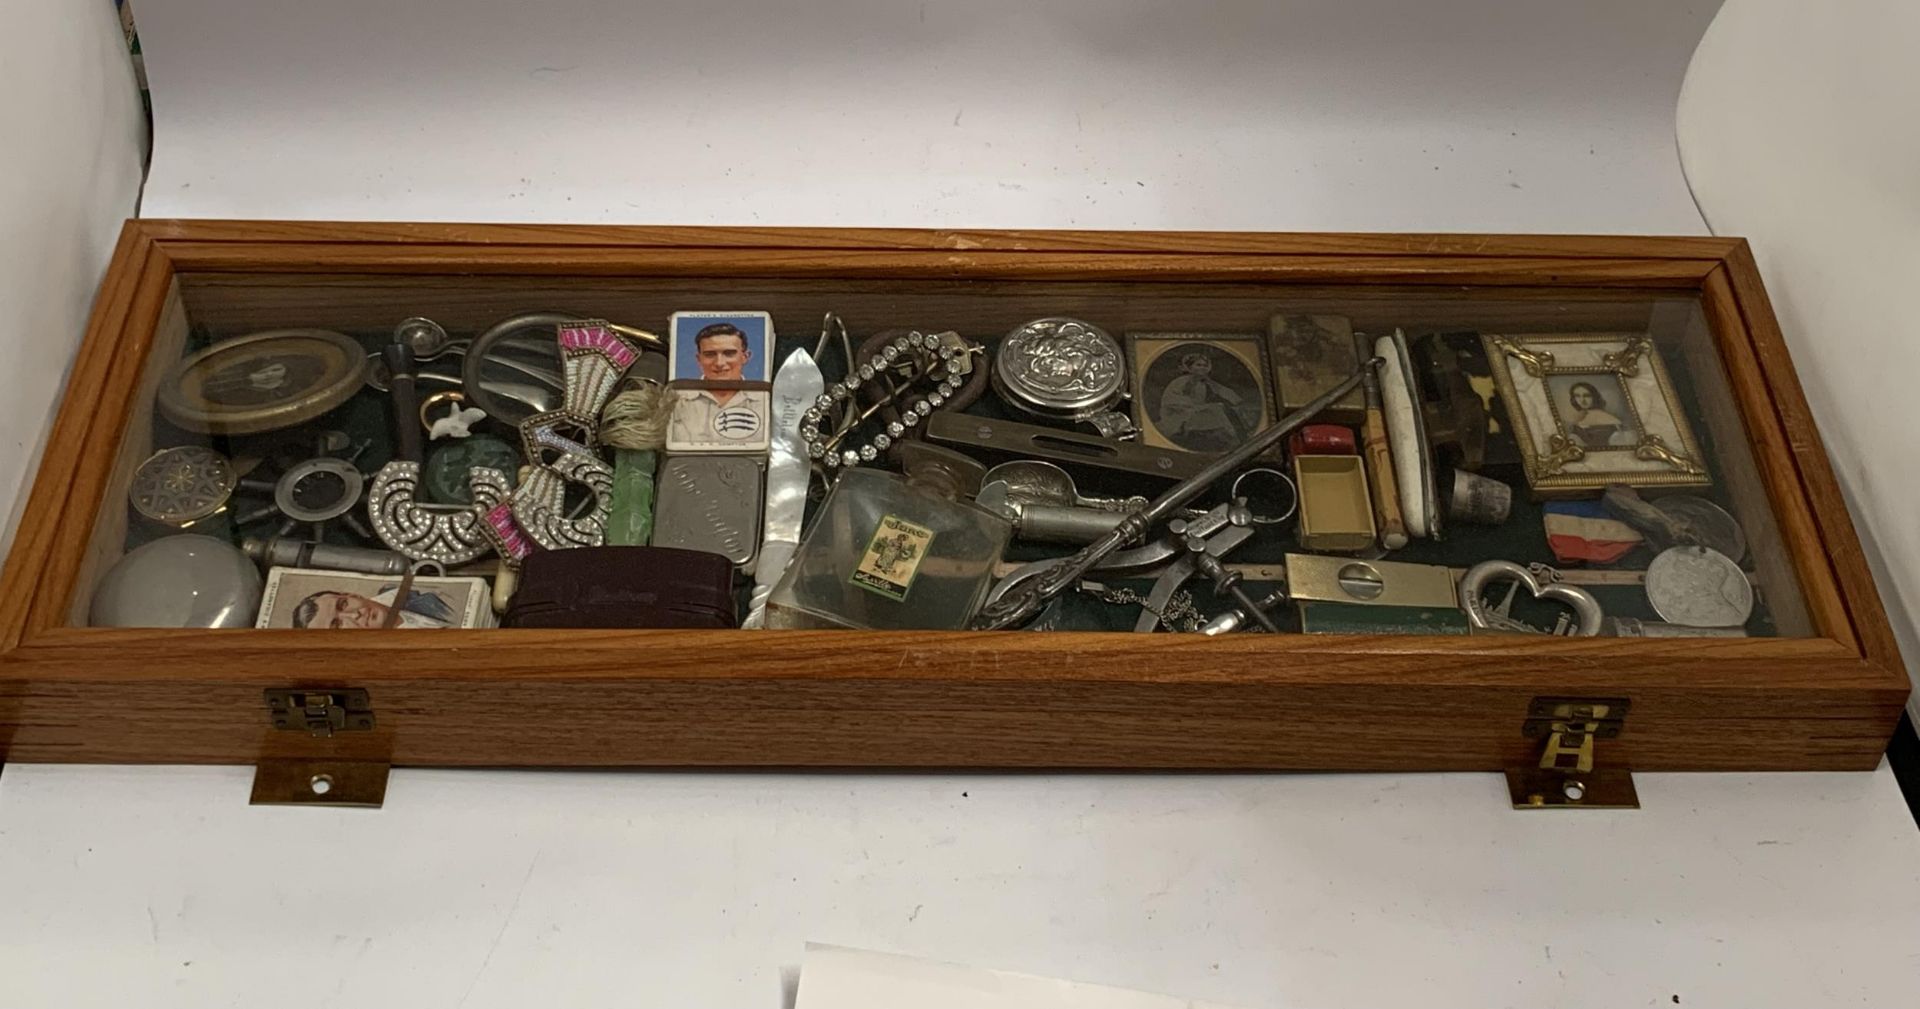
649, 698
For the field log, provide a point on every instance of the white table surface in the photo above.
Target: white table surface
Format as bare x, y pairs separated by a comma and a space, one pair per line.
160, 887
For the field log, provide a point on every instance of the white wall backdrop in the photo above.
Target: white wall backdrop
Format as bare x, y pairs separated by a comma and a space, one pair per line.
1467, 115
1800, 129
74, 139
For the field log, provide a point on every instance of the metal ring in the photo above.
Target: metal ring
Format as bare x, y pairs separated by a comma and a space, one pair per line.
454, 396
1293, 495
286, 489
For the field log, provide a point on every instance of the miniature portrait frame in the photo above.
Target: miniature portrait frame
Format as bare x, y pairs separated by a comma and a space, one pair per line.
1199, 392
1594, 409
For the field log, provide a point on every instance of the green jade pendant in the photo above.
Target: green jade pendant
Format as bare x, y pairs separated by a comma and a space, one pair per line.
630, 523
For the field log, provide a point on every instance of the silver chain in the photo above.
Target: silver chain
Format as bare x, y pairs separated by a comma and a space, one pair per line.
1180, 613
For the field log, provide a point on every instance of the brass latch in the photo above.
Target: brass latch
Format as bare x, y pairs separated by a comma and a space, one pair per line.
320, 712
290, 782
1566, 776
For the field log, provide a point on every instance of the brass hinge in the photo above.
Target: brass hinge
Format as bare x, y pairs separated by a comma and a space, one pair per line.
320, 712
1566, 776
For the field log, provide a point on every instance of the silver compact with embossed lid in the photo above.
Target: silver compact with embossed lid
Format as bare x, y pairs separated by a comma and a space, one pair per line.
1059, 369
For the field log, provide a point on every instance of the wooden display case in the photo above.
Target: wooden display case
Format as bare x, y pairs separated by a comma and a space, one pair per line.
1824, 691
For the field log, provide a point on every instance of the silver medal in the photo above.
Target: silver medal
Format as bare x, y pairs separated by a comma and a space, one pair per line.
1699, 587
1706, 524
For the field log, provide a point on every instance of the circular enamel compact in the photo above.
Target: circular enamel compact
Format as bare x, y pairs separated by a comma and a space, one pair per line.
181, 486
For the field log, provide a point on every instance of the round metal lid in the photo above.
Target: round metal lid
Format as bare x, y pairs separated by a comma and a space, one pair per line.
181, 486
263, 381
1059, 368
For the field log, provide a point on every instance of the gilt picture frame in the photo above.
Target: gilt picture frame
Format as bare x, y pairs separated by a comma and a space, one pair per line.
1594, 409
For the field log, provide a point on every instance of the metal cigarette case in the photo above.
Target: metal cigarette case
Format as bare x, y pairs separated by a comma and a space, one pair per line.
710, 503
1311, 354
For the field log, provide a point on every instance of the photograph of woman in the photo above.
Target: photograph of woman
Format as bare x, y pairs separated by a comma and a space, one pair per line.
1588, 412
1201, 398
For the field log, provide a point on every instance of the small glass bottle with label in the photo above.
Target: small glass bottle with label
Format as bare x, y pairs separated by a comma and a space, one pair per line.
888, 552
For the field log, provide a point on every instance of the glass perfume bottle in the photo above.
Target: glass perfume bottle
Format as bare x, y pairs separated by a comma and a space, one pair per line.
891, 552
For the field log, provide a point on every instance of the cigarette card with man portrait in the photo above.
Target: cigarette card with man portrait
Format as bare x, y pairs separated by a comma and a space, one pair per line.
720, 417
720, 347
322, 600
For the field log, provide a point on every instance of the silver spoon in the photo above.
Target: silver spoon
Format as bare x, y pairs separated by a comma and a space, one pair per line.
1036, 482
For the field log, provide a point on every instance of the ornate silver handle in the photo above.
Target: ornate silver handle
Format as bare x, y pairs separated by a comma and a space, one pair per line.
1024, 602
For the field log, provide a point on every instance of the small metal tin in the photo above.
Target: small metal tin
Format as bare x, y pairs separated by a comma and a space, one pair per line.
1059, 369
181, 486
710, 503
1311, 354
1336, 511
1699, 587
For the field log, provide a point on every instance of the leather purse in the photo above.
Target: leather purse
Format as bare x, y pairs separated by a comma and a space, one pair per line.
614, 586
